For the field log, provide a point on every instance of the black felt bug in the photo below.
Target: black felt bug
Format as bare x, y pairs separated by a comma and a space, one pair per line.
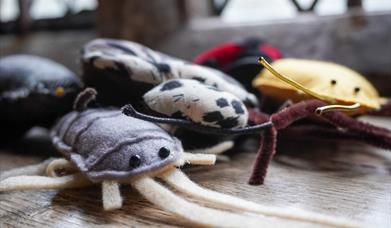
33, 91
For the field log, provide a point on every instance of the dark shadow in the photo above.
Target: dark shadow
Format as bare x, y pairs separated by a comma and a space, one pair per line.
35, 142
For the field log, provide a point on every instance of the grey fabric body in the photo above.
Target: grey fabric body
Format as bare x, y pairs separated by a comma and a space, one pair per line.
100, 142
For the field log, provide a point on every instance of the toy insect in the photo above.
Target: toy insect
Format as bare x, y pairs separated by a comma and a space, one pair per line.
124, 71
127, 72
334, 87
238, 58
104, 146
33, 91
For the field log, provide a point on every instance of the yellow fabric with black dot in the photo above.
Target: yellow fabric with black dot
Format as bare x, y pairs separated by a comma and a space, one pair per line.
325, 78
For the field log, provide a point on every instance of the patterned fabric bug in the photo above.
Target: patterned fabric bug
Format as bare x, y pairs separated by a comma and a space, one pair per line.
130, 70
201, 103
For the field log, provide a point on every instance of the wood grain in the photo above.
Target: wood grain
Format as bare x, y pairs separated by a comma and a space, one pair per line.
340, 179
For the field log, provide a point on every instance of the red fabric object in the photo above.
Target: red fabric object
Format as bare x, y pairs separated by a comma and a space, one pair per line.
223, 54
239, 59
271, 51
227, 53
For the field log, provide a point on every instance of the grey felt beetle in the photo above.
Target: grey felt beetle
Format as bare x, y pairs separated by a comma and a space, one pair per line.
127, 72
104, 146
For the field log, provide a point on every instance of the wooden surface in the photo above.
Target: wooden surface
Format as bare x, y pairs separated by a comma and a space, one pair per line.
347, 180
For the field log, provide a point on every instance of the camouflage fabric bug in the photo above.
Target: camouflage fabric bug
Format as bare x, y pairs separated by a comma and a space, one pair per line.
335, 88
33, 91
126, 72
103, 146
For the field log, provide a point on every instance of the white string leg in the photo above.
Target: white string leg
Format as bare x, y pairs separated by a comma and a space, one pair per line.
181, 182
216, 149
111, 195
58, 164
37, 169
199, 159
167, 200
41, 182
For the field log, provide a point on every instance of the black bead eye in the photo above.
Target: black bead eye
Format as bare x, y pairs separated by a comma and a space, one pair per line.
134, 161
164, 152
357, 89
333, 82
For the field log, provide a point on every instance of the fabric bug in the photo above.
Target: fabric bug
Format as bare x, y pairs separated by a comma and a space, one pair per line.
238, 58
33, 91
333, 87
102, 146
125, 70
330, 82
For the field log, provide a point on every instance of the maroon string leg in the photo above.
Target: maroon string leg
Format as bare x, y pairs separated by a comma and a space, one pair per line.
266, 151
354, 130
385, 110
331, 133
268, 139
365, 129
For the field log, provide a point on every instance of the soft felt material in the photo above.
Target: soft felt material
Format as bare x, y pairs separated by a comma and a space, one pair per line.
33, 91
199, 159
109, 148
107, 144
217, 149
239, 59
182, 183
36, 169
42, 182
111, 195
198, 102
131, 69
162, 197
247, 213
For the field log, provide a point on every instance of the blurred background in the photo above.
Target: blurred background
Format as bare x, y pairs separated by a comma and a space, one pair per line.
356, 33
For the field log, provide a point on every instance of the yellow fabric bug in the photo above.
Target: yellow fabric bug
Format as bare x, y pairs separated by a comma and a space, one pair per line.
299, 79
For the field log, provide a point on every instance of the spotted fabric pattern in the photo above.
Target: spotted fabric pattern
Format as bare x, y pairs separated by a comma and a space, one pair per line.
198, 102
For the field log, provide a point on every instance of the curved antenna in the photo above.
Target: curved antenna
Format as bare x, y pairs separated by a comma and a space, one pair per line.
293, 83
130, 111
319, 111
84, 98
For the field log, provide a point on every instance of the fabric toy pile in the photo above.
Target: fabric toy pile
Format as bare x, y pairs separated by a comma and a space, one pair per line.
129, 124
